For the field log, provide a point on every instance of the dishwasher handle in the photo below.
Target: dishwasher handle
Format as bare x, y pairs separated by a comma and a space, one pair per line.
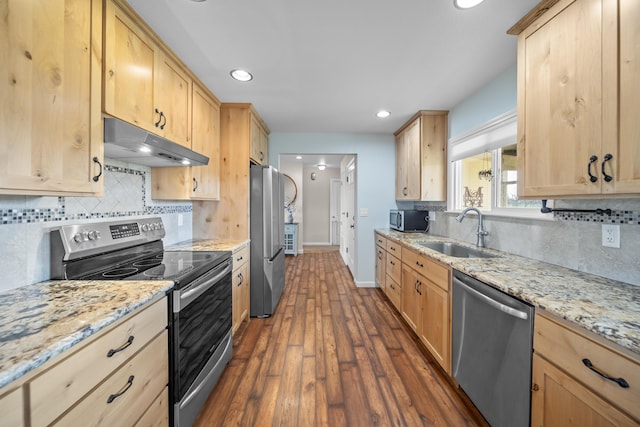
493, 303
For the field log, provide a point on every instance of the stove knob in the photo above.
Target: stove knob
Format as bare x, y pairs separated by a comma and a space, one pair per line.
144, 228
94, 235
77, 238
85, 236
156, 226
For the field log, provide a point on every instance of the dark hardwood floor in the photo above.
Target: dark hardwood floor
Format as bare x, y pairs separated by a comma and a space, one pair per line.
332, 355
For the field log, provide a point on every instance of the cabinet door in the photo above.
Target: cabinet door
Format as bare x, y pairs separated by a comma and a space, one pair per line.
206, 140
172, 88
435, 329
412, 287
257, 142
130, 60
50, 125
12, 408
624, 167
560, 111
559, 400
408, 173
381, 266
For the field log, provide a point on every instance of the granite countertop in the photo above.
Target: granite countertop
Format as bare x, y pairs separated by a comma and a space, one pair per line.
40, 321
208, 245
609, 308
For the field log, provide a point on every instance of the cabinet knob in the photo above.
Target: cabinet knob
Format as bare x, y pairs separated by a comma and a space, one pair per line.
535, 387
404, 191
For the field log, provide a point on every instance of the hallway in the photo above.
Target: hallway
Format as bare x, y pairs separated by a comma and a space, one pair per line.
331, 355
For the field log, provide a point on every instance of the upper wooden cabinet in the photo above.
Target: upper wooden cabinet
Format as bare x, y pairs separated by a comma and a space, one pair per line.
421, 151
259, 141
143, 85
50, 125
195, 182
578, 86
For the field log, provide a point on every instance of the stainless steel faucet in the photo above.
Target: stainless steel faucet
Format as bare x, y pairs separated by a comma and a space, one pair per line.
481, 232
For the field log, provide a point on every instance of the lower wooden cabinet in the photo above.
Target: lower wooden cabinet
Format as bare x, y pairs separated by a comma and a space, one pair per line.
426, 303
12, 408
565, 391
240, 294
381, 259
117, 378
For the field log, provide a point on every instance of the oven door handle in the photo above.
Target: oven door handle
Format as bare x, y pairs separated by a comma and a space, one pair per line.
182, 299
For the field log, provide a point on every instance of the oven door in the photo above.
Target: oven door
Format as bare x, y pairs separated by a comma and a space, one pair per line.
201, 322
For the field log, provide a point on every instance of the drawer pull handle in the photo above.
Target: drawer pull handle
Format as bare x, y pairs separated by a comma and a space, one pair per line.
239, 259
113, 397
592, 160
241, 277
122, 347
621, 381
419, 264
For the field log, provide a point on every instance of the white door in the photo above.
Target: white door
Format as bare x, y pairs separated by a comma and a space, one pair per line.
334, 210
348, 220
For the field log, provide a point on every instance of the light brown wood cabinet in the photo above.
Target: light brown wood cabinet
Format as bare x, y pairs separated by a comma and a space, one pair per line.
241, 287
381, 260
231, 215
426, 303
566, 392
421, 151
195, 182
143, 84
578, 86
117, 377
259, 141
50, 126
393, 272
12, 408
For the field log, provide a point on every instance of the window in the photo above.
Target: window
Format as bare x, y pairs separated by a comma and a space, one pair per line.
483, 170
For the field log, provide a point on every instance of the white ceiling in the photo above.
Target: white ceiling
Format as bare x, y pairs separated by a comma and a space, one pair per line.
330, 65
331, 161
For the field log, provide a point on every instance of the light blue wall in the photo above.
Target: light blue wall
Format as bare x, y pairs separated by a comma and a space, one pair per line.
497, 97
375, 181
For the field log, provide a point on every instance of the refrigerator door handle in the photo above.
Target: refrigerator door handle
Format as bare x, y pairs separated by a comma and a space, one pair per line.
270, 260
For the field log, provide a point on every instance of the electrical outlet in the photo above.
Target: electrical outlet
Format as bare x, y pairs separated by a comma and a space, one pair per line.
180, 220
611, 235
432, 216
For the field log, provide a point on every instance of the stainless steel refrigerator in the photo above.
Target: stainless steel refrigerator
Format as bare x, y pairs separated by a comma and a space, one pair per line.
267, 239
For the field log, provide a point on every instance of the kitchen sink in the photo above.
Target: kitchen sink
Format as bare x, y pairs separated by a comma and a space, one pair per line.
455, 250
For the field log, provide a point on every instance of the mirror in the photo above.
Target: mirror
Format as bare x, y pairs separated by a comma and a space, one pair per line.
290, 190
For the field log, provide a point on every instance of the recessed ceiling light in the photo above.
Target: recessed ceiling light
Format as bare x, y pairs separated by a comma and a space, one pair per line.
241, 75
322, 167
299, 157
382, 114
466, 4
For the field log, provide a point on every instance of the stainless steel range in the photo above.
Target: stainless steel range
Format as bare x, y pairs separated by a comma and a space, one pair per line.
199, 304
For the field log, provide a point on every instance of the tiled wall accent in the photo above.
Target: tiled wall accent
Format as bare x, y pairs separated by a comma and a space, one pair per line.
616, 217
124, 195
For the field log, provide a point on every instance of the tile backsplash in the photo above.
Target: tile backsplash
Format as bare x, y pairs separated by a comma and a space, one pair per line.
25, 221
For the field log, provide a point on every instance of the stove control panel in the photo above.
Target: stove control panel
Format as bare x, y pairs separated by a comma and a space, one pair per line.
91, 238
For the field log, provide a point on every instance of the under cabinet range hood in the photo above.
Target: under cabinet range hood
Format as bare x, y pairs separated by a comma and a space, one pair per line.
129, 143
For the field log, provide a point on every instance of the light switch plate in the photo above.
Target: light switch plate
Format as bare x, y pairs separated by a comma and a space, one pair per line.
180, 220
364, 212
611, 235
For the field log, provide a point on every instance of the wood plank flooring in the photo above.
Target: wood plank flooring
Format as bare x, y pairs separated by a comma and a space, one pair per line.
332, 355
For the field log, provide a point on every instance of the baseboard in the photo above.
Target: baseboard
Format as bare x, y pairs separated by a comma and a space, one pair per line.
317, 244
360, 284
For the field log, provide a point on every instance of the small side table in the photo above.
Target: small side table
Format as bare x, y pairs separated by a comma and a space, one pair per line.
291, 238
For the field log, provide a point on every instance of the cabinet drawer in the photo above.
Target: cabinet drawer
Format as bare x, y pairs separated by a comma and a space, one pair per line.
12, 408
241, 275
394, 291
381, 241
394, 249
394, 267
158, 413
74, 376
567, 348
240, 257
437, 273
124, 397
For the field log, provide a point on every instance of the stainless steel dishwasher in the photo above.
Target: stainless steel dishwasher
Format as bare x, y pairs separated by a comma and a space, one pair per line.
492, 335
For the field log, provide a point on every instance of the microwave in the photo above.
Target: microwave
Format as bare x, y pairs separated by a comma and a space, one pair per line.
409, 220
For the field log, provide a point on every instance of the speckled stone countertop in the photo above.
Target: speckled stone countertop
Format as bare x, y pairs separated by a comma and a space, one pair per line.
606, 307
208, 245
40, 321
